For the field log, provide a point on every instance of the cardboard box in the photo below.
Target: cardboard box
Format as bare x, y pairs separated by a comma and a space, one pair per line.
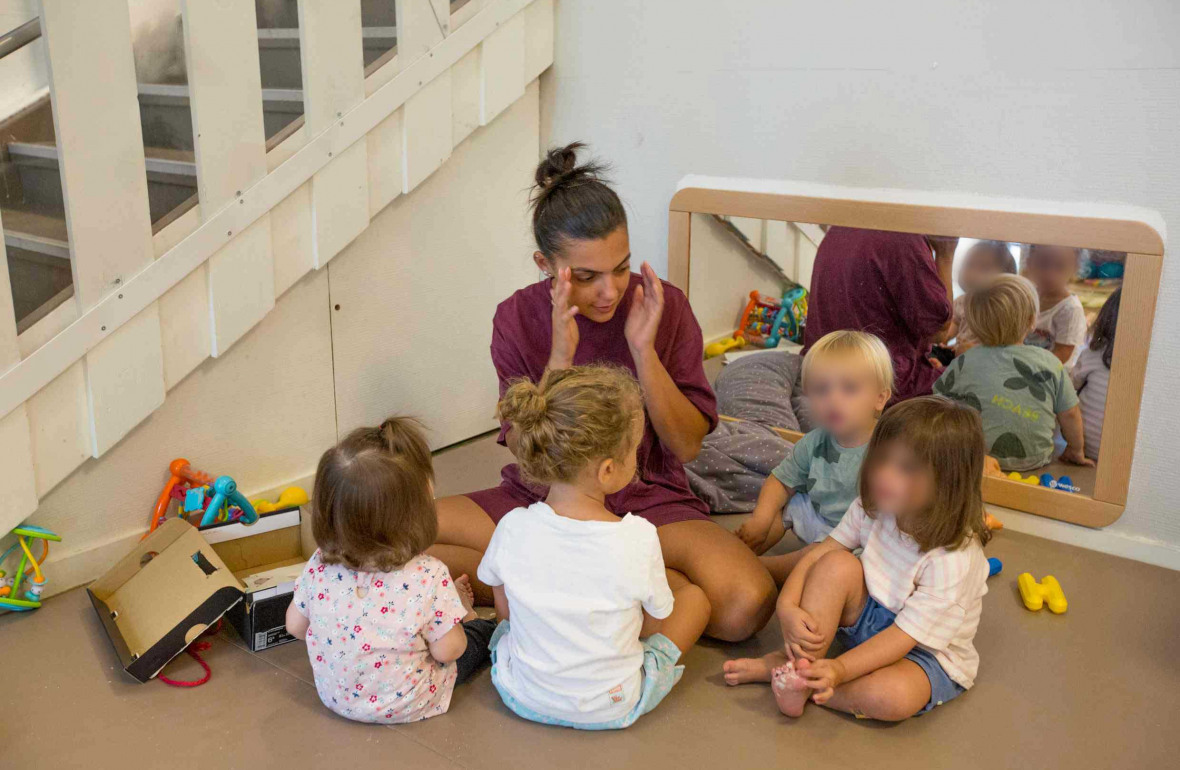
162, 596
266, 557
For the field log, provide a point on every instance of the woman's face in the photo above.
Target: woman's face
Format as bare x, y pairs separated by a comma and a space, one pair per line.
600, 271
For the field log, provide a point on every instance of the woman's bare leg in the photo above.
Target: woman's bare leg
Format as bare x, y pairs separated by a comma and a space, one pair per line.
690, 612
780, 566
464, 531
739, 590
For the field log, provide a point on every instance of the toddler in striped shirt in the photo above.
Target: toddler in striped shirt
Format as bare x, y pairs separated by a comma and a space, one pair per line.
907, 610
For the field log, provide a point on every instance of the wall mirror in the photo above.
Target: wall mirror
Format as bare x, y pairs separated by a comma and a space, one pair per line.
1058, 393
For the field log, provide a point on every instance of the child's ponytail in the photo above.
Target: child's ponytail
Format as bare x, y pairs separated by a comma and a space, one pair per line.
571, 418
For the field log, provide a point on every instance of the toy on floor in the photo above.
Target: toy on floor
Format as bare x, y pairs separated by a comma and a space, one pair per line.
1032, 480
290, 498
991, 522
767, 320
723, 345
1036, 595
196, 492
1065, 483
994, 566
10, 587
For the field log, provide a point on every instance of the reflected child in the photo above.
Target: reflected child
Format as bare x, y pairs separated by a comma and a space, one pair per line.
1022, 392
984, 260
1061, 321
1091, 373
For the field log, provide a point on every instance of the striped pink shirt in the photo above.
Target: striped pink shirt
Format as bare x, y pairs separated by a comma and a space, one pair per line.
937, 596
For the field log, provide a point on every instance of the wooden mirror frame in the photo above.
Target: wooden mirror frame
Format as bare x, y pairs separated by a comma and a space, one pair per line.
1108, 227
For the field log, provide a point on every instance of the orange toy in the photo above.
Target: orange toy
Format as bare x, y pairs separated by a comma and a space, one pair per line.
181, 473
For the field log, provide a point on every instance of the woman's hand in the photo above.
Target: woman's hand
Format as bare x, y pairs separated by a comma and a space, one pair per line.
823, 676
801, 634
565, 327
647, 306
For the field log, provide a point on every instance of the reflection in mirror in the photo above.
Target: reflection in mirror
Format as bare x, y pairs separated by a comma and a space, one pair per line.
1023, 333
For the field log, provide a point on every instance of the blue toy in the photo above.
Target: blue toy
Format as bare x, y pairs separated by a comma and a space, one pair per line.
994, 566
225, 493
1065, 483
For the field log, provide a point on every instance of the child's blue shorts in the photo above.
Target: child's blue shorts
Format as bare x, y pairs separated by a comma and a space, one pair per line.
874, 619
660, 675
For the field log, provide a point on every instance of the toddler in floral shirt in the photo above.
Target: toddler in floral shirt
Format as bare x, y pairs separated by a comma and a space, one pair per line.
388, 632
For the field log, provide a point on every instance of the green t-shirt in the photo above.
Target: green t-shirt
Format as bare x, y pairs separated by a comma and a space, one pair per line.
826, 471
1018, 390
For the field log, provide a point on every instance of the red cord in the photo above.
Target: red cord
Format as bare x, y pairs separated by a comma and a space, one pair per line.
195, 649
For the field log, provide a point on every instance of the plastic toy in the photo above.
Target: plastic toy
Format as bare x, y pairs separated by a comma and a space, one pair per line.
1035, 595
994, 566
767, 320
991, 522
198, 492
290, 498
723, 345
10, 587
1065, 483
1032, 480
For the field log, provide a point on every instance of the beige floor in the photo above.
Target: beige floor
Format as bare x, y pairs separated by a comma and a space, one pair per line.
1098, 687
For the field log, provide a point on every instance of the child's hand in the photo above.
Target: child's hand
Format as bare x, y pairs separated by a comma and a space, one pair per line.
823, 676
753, 531
1076, 456
801, 634
565, 327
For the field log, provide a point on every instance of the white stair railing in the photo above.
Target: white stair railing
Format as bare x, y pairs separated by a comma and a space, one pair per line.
147, 310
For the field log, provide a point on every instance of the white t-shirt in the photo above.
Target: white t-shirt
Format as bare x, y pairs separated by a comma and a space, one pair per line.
1091, 378
576, 591
937, 595
1062, 324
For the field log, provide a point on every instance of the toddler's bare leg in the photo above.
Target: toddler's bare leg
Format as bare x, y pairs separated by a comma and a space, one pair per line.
891, 694
690, 612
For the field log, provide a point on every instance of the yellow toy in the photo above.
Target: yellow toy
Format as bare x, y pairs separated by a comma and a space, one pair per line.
1015, 476
723, 345
1036, 594
290, 498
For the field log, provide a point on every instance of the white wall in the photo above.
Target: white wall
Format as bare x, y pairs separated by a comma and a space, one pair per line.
1073, 100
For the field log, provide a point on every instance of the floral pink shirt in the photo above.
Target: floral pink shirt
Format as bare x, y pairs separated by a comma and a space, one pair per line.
368, 634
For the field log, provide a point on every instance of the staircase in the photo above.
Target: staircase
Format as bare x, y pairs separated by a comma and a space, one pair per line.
148, 226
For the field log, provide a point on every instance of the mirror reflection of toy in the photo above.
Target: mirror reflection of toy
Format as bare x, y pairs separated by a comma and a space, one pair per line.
28, 572
767, 320
1062, 484
215, 500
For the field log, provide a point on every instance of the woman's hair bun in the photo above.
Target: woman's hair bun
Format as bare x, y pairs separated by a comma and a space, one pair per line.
558, 164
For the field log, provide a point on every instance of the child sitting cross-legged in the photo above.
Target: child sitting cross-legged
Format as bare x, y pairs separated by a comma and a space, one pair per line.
388, 632
1022, 392
847, 377
907, 610
591, 629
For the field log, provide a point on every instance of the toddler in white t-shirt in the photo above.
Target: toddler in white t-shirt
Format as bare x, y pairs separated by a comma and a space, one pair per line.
1061, 319
591, 629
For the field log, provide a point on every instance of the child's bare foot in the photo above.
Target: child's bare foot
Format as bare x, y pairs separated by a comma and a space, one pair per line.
790, 689
466, 596
744, 670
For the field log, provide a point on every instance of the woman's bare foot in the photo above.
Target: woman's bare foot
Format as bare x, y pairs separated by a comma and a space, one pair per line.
790, 689
466, 596
744, 670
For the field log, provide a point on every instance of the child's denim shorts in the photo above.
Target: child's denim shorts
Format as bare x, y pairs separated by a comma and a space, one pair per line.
874, 619
660, 675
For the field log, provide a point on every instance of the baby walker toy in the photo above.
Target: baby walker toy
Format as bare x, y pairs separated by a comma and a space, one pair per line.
767, 320
215, 499
10, 587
